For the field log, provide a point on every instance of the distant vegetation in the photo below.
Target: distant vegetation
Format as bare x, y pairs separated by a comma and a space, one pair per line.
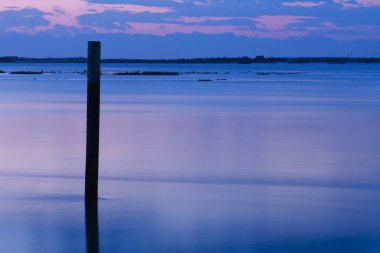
26, 72
43, 60
146, 73
202, 73
280, 73
126, 73
239, 60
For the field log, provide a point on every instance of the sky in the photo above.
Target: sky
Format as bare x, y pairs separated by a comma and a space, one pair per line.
151, 29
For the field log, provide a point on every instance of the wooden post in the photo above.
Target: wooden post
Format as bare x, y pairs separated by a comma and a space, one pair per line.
93, 116
92, 226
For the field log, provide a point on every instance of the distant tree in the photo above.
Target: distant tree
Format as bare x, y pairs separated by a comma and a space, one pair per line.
245, 60
260, 59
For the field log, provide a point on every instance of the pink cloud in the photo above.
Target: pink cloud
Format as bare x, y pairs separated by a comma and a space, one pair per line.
353, 37
163, 29
358, 3
27, 30
66, 12
304, 4
187, 19
272, 27
271, 34
270, 23
273, 23
206, 2
346, 33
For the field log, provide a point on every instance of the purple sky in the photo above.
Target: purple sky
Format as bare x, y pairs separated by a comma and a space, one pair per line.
191, 28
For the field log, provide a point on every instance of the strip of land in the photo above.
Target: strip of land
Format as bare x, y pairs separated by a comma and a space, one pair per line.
237, 60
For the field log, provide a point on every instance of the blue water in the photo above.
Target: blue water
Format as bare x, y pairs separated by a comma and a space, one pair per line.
281, 162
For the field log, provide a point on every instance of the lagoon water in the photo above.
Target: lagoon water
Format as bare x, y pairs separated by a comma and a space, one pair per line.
263, 158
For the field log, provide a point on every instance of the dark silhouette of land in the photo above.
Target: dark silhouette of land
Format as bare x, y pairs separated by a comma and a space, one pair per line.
146, 73
24, 72
238, 60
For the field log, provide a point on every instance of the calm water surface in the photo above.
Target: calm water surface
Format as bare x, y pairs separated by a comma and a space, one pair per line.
264, 158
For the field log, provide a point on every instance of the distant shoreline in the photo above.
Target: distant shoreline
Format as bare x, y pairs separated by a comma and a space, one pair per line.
220, 60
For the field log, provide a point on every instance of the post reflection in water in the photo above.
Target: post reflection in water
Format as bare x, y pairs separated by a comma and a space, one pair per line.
92, 226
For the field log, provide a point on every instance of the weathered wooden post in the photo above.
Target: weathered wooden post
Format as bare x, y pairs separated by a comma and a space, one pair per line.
93, 117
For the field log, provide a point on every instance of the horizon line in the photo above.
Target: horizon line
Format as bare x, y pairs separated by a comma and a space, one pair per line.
209, 60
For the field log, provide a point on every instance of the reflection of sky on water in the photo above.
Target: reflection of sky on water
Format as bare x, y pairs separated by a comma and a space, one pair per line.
170, 217
221, 139
194, 167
